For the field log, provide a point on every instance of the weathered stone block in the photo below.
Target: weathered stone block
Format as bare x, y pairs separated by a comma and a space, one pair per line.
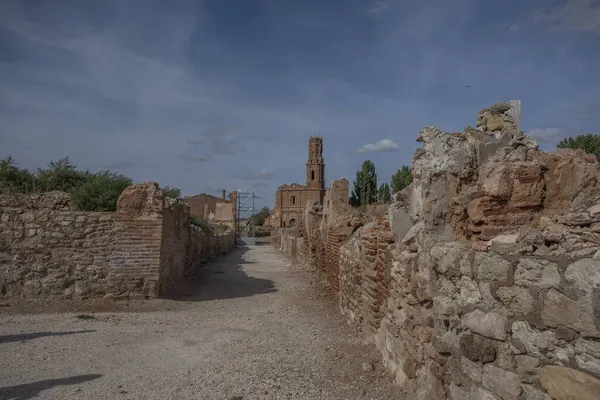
492, 267
564, 383
478, 393
584, 274
474, 370
533, 341
588, 355
477, 348
488, 324
503, 383
448, 257
527, 363
533, 393
532, 272
559, 310
517, 299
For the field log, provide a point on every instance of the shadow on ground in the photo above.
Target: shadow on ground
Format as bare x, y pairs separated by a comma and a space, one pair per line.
223, 278
31, 390
28, 336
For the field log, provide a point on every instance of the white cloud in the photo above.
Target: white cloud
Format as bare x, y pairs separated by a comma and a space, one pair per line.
572, 16
546, 134
263, 174
382, 145
378, 8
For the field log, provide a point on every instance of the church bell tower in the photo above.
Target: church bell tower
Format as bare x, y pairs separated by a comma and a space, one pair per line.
315, 167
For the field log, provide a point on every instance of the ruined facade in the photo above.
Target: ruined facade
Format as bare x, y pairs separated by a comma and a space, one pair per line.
214, 209
291, 200
483, 279
143, 250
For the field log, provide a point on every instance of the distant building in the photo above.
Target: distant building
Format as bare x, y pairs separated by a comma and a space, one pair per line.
291, 200
213, 209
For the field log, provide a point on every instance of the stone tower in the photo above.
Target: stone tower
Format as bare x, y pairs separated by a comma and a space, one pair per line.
315, 167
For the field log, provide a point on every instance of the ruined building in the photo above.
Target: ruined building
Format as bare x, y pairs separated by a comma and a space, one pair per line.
482, 281
214, 209
291, 200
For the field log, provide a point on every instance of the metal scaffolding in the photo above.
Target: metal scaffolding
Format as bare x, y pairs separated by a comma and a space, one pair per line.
245, 209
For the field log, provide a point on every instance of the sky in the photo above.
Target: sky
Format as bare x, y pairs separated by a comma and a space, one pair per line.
206, 95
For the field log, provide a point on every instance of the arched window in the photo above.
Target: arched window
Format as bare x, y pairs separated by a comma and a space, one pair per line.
312, 175
292, 222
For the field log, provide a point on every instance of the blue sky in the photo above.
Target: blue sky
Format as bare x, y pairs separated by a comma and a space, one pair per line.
216, 94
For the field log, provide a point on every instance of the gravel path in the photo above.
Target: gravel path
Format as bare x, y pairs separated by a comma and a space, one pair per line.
255, 327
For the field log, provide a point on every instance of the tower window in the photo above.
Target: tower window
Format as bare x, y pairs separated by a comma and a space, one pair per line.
312, 175
293, 199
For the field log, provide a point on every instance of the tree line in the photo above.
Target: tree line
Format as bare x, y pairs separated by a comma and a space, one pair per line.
366, 191
89, 191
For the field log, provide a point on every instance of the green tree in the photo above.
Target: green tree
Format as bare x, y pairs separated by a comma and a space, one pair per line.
61, 175
14, 179
100, 192
173, 193
401, 179
385, 195
365, 186
590, 143
259, 218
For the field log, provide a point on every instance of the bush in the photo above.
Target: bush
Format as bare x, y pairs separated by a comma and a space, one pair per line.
202, 223
89, 192
61, 175
100, 191
259, 218
173, 193
14, 179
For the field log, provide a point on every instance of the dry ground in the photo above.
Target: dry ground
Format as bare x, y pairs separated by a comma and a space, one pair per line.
253, 327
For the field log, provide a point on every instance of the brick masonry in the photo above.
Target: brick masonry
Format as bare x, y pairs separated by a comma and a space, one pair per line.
48, 250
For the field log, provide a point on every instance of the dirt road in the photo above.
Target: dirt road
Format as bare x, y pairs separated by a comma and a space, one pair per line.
256, 327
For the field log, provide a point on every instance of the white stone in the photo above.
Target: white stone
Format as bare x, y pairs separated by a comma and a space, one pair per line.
538, 273
469, 292
490, 324
584, 274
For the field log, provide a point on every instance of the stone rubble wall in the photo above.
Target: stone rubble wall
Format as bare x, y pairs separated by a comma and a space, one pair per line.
483, 279
49, 250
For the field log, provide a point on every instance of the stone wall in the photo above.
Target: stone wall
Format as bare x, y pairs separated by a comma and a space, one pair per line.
483, 279
49, 250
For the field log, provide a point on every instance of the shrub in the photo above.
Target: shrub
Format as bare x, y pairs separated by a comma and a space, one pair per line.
173, 193
202, 223
61, 175
14, 179
100, 191
89, 192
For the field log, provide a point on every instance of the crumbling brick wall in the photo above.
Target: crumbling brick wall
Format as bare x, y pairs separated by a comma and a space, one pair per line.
49, 250
483, 279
